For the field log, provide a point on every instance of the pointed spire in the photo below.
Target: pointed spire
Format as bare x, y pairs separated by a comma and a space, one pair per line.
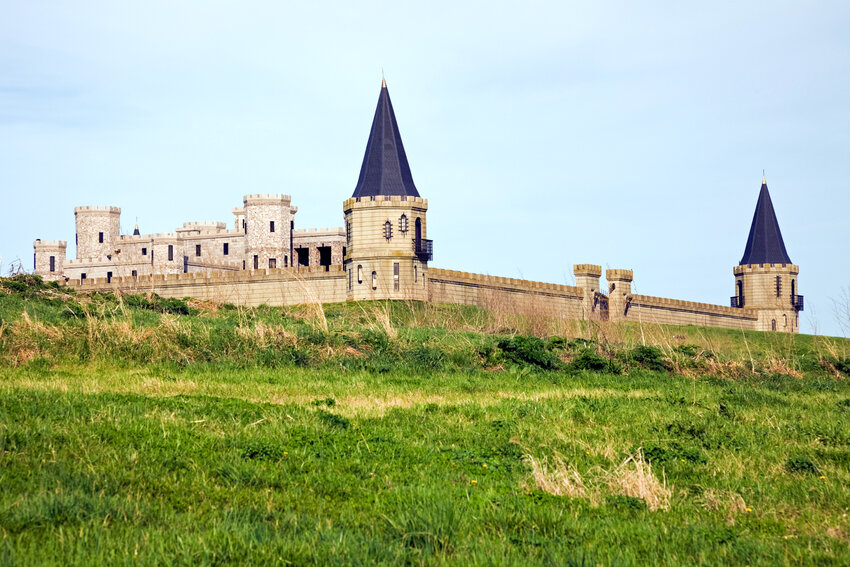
385, 170
136, 230
765, 244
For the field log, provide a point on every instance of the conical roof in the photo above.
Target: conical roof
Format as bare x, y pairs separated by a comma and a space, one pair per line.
765, 244
385, 170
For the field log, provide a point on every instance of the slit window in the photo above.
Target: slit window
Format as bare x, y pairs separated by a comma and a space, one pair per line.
100, 237
271, 226
226, 248
197, 249
170, 252
53, 263
256, 262
778, 286
359, 274
396, 278
374, 280
108, 277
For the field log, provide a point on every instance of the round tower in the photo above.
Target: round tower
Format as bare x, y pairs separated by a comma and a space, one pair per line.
387, 249
268, 224
765, 279
97, 230
49, 258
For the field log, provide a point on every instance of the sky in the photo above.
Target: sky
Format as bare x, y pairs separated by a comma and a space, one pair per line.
543, 134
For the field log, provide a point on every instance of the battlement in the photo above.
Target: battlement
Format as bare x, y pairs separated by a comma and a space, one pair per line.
266, 198
436, 274
618, 275
98, 209
205, 224
318, 231
130, 238
384, 201
591, 270
50, 243
668, 304
765, 269
165, 238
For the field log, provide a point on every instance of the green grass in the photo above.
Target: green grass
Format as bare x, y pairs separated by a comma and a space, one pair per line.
143, 433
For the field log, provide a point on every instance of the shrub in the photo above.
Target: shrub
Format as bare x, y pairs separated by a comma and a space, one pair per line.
529, 350
649, 357
590, 360
800, 465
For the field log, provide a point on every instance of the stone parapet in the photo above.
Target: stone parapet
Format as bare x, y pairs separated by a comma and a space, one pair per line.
384, 201
765, 268
98, 209
589, 270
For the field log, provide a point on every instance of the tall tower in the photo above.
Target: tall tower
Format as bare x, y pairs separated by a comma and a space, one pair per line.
766, 279
269, 221
97, 231
387, 251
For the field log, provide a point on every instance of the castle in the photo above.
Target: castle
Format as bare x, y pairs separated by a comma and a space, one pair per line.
383, 253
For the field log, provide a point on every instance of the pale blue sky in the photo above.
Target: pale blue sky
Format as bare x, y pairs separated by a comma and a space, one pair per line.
544, 134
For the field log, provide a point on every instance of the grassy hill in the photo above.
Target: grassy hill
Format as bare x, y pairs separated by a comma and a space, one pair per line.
143, 430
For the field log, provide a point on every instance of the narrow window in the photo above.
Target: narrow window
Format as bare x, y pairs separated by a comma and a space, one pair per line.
374, 280
244, 226
134, 273
402, 223
773, 324
82, 276
388, 230
197, 249
396, 280
77, 239
359, 274
108, 277
349, 277
170, 252
286, 261
415, 273
100, 237
226, 248
271, 226
348, 232
778, 286
243, 264
272, 262
256, 262
785, 321
53, 263
144, 251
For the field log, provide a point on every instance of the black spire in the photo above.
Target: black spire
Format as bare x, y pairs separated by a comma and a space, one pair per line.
385, 170
765, 245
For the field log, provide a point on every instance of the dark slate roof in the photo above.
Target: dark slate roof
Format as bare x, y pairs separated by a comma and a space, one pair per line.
765, 245
385, 170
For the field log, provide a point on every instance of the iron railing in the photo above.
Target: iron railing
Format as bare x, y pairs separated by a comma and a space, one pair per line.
424, 249
797, 302
737, 301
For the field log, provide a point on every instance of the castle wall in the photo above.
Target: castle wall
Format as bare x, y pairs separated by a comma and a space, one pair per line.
505, 294
269, 287
661, 310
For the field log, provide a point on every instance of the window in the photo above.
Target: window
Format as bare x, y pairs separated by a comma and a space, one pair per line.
348, 232
134, 273
778, 286
244, 226
359, 274
108, 277
396, 279
272, 262
402, 223
349, 277
388, 230
100, 237
170, 252
256, 262
415, 273
773, 324
197, 250
785, 320
53, 263
271, 226
82, 276
286, 261
144, 251
374, 280
226, 248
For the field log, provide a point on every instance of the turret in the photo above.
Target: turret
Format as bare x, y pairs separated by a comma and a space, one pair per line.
387, 250
269, 222
619, 293
97, 230
587, 278
765, 279
49, 258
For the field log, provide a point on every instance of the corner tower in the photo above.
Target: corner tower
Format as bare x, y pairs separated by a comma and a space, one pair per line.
387, 251
765, 279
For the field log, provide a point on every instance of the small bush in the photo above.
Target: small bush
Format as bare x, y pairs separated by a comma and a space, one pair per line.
529, 350
589, 360
843, 365
649, 357
800, 465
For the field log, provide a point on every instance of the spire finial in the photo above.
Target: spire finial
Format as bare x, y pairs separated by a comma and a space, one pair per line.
383, 79
763, 178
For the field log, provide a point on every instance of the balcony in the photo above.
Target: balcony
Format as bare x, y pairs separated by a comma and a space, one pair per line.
424, 249
797, 302
737, 301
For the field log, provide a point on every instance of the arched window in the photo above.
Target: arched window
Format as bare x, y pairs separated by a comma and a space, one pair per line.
402, 223
374, 280
418, 230
388, 230
785, 321
359, 274
773, 324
